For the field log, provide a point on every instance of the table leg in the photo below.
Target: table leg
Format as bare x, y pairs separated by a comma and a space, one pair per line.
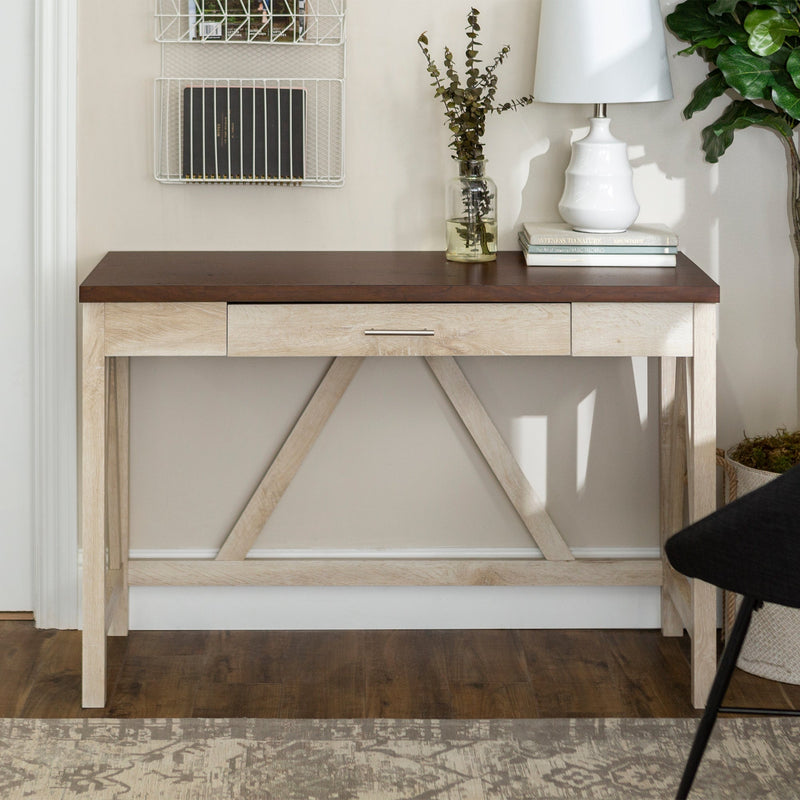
93, 511
672, 450
702, 475
117, 492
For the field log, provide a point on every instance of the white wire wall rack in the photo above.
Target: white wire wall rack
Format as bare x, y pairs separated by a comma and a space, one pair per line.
270, 111
317, 22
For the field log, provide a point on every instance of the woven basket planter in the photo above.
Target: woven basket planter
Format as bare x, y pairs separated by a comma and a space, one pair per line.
772, 646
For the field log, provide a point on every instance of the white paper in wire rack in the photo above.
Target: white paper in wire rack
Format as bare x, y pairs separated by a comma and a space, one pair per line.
316, 22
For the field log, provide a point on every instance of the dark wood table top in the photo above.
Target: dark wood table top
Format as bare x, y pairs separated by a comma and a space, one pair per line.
379, 277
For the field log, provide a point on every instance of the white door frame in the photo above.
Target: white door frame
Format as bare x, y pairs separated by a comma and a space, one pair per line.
55, 534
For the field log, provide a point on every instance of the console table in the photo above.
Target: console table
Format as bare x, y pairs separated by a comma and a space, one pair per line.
363, 304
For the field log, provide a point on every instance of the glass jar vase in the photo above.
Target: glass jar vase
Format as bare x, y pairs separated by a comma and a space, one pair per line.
471, 214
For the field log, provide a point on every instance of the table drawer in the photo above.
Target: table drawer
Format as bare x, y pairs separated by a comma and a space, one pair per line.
165, 329
399, 329
632, 329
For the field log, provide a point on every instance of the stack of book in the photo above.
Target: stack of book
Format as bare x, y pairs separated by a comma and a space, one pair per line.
552, 244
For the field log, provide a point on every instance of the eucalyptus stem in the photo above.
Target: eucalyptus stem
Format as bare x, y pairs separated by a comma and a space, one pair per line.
467, 103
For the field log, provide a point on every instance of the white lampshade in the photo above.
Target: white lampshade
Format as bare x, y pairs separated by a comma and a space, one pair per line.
601, 51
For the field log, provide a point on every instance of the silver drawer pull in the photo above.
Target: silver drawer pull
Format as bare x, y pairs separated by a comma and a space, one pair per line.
375, 332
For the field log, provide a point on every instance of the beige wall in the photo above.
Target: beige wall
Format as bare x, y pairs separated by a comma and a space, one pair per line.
394, 468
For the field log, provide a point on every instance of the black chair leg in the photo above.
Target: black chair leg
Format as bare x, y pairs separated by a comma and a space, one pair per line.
721, 681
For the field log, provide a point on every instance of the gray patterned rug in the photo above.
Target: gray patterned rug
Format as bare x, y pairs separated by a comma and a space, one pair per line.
268, 759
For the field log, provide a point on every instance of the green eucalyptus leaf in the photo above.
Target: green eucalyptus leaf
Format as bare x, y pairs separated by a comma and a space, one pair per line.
749, 74
466, 106
712, 87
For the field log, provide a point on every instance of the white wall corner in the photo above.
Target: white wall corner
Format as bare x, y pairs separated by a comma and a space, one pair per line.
55, 544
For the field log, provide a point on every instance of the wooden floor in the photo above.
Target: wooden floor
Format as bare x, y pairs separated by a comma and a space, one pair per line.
401, 674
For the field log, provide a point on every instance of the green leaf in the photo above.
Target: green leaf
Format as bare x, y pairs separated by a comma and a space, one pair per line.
766, 118
764, 42
466, 105
733, 30
768, 30
779, 57
713, 43
691, 22
749, 74
723, 7
718, 136
712, 87
786, 95
793, 66
788, 7
757, 16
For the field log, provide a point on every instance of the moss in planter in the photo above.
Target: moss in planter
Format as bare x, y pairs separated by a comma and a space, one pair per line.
776, 453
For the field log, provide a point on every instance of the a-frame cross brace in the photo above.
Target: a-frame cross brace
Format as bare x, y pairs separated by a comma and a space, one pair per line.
469, 409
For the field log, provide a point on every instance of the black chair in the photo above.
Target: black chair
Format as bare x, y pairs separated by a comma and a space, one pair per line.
752, 547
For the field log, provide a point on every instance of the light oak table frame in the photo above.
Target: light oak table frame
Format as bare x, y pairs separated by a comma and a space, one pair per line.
352, 306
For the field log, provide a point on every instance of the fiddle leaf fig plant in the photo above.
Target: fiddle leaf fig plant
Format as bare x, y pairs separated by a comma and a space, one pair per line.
753, 52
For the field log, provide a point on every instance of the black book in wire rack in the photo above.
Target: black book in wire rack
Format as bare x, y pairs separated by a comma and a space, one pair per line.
243, 133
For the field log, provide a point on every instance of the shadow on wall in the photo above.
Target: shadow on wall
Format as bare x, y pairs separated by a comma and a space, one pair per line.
576, 426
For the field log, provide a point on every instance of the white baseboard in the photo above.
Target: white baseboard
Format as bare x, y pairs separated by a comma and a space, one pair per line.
378, 608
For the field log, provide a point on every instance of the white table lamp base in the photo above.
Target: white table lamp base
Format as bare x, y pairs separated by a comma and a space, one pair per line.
598, 191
